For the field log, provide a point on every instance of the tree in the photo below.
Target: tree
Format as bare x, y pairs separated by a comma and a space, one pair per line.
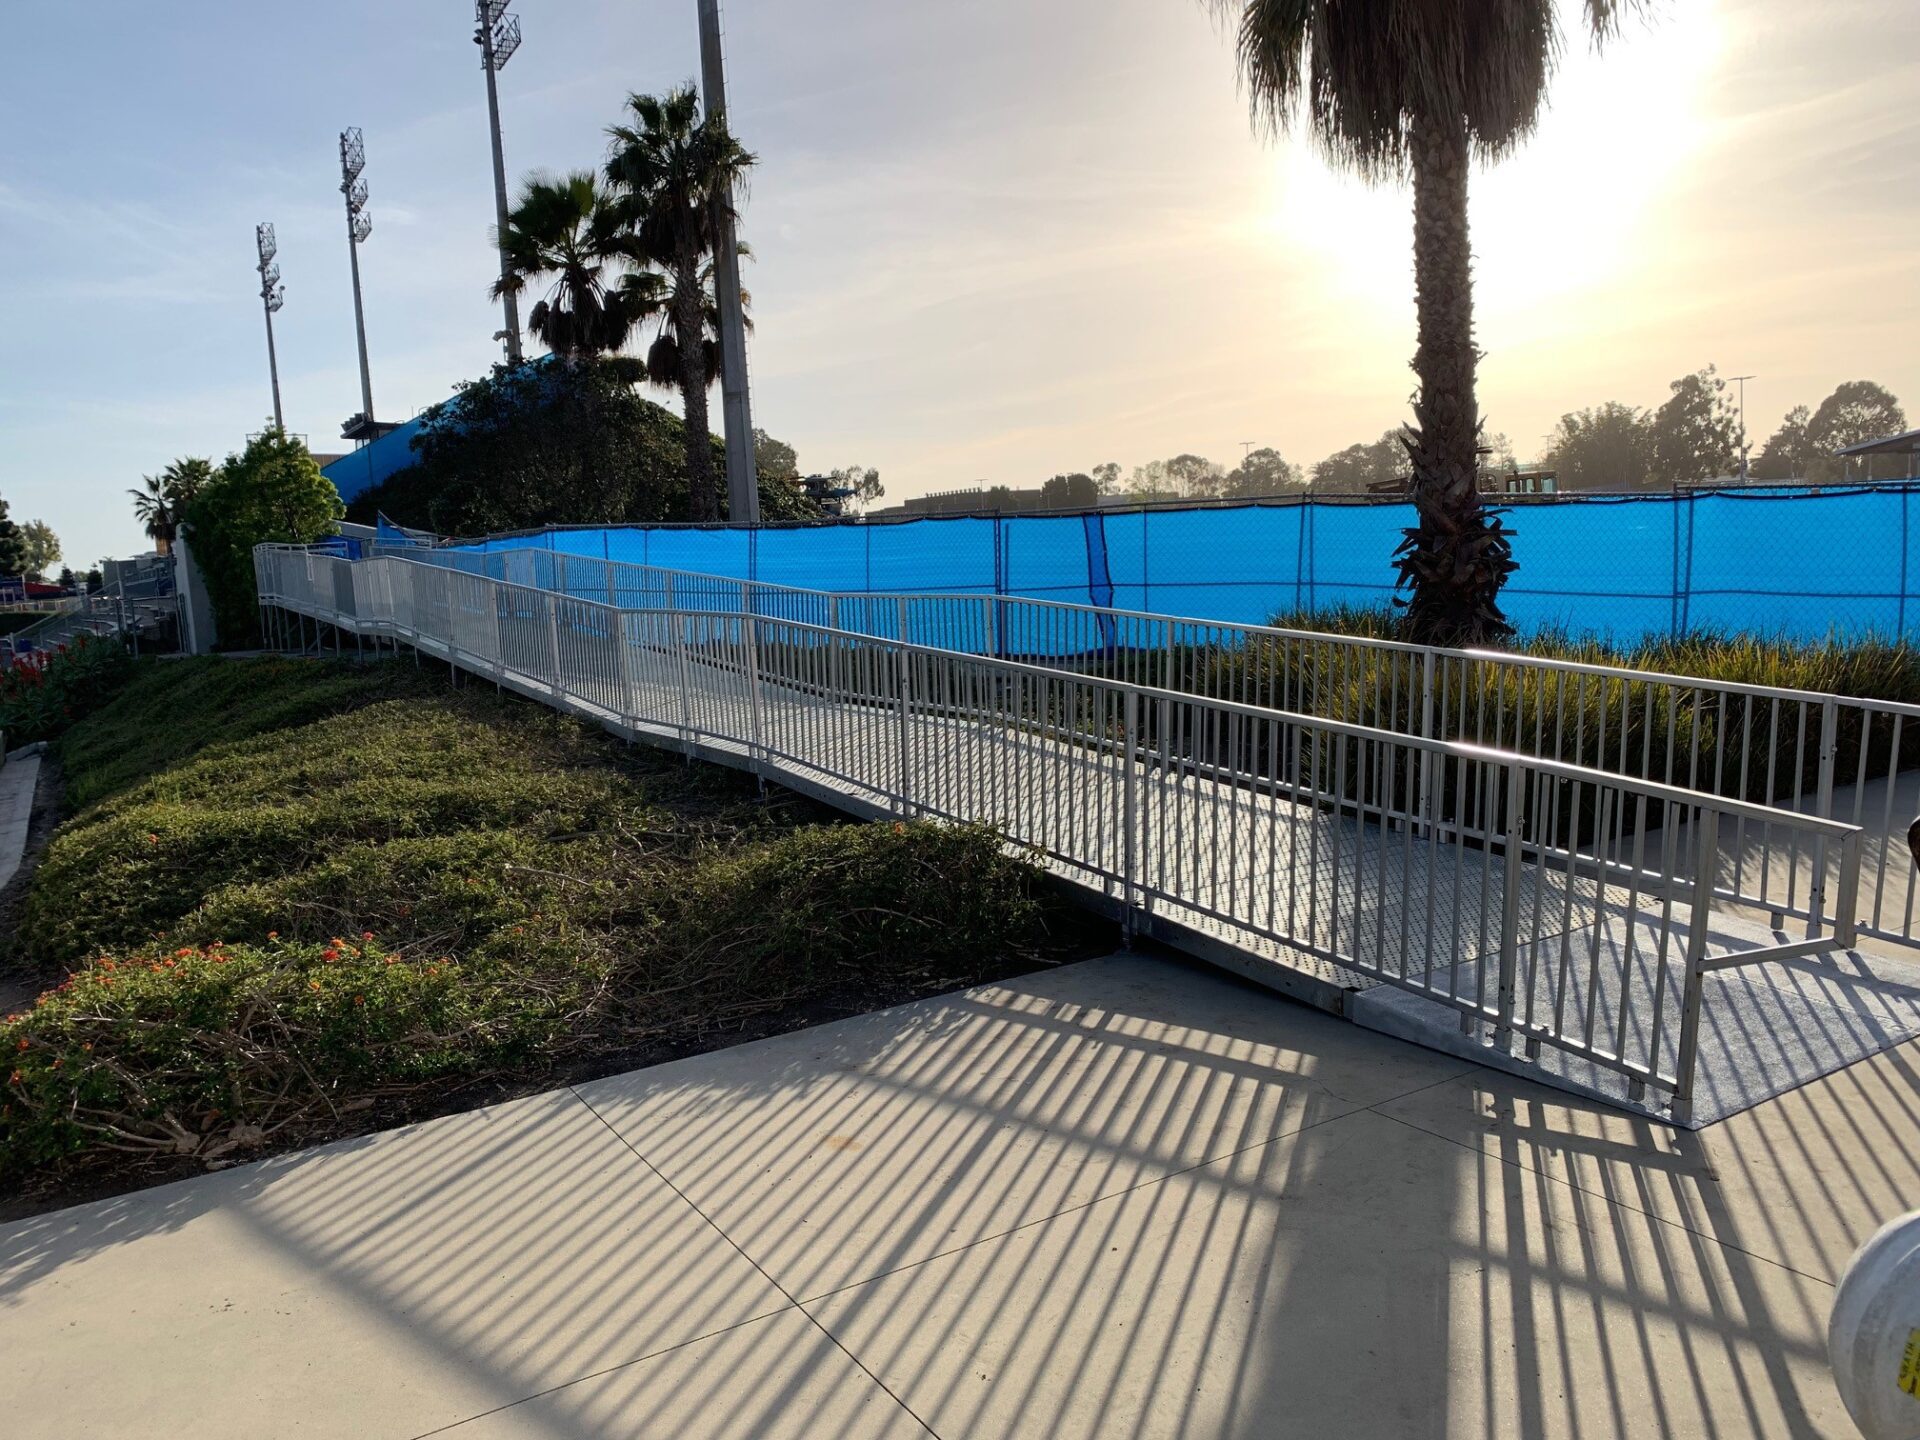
13, 548
270, 493
572, 231
538, 445
1695, 434
1422, 87
1856, 412
774, 459
162, 499
1077, 491
1789, 453
862, 481
1360, 468
1106, 476
67, 580
1262, 472
42, 549
670, 164
1606, 447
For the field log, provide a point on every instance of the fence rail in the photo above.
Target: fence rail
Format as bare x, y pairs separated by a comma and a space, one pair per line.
1543, 902
1833, 756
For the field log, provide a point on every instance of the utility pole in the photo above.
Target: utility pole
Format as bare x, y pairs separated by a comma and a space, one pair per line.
1741, 381
498, 36
743, 482
353, 159
272, 296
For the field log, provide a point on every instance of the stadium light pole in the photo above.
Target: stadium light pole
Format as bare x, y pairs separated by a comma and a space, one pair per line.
272, 296
743, 484
1741, 381
498, 36
353, 159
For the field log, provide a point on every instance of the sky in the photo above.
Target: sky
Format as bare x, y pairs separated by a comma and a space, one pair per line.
992, 241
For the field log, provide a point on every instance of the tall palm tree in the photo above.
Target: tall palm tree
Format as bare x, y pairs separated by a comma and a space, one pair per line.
1391, 88
650, 297
161, 501
670, 164
573, 229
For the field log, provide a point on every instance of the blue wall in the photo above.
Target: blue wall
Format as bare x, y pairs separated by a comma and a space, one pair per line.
1800, 564
373, 463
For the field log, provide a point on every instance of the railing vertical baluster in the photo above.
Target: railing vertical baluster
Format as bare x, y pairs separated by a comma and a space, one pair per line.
1706, 858
1823, 807
1513, 828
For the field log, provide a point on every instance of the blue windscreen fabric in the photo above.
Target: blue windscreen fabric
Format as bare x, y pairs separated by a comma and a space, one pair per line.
1799, 564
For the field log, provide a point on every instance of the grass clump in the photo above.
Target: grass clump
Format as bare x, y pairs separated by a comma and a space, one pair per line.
544, 899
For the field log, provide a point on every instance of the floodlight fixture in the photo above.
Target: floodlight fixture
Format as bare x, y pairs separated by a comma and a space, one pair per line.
353, 155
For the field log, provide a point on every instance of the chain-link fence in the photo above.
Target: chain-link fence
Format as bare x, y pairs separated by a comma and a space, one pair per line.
1805, 564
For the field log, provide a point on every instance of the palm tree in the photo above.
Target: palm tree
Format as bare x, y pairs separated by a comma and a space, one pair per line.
573, 229
1390, 88
670, 165
649, 297
161, 501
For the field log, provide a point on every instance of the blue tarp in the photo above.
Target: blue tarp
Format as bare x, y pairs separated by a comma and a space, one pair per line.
1804, 564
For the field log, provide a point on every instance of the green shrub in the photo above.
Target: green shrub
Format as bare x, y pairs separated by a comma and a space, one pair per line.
171, 709
223, 1050
44, 693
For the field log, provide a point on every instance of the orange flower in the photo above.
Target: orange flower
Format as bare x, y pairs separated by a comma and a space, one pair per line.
313, 984
24, 1042
366, 934
273, 934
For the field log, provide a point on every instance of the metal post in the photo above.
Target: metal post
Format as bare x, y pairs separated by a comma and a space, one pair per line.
680, 632
1823, 807
1130, 788
509, 301
359, 318
906, 787
616, 624
756, 740
553, 640
1510, 900
273, 360
1706, 856
743, 487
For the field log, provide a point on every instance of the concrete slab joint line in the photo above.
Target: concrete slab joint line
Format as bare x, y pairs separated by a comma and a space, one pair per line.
1396, 926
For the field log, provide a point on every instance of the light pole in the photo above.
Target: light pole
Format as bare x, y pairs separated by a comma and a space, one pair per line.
353, 159
272, 296
743, 485
498, 36
1741, 381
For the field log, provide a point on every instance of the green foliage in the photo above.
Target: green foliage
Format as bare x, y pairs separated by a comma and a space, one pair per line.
42, 549
547, 444
215, 1051
1695, 435
571, 230
1854, 413
13, 545
538, 893
272, 492
1359, 468
1606, 447
171, 710
1069, 492
1261, 472
42, 694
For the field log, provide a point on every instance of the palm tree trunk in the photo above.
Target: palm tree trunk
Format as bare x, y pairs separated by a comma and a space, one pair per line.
703, 499
1457, 556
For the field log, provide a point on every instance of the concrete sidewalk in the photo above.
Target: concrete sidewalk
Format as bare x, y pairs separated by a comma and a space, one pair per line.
17, 781
1125, 1198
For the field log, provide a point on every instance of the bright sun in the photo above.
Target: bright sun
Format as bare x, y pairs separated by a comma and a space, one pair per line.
1566, 214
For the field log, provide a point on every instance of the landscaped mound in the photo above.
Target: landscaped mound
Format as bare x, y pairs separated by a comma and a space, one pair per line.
304, 900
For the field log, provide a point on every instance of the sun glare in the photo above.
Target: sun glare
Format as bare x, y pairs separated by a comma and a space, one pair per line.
1567, 214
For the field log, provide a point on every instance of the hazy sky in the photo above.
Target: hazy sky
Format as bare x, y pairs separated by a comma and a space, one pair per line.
994, 240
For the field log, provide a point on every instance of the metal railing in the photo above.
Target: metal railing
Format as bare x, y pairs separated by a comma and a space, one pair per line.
1544, 903
1837, 757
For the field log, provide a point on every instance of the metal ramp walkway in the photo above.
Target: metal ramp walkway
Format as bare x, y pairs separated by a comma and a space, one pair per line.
1524, 912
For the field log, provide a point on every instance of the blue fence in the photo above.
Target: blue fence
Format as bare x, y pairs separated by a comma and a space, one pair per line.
1802, 564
